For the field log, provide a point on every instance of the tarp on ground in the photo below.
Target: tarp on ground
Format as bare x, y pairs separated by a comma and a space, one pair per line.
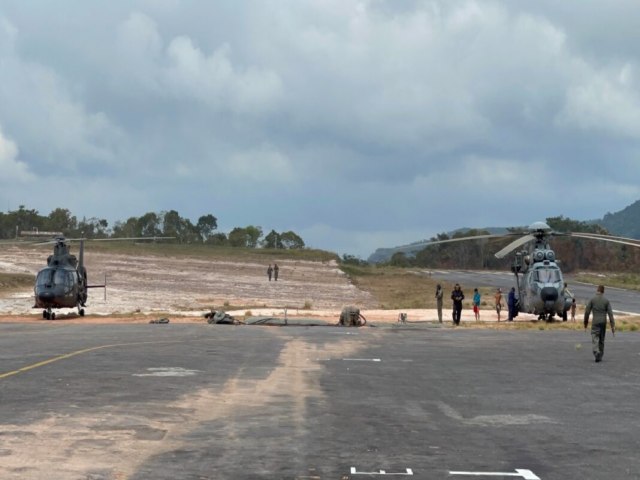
290, 322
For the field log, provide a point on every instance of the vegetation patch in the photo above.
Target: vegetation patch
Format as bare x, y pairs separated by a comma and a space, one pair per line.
15, 281
630, 281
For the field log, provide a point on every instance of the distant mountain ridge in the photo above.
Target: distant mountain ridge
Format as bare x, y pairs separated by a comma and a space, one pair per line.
625, 223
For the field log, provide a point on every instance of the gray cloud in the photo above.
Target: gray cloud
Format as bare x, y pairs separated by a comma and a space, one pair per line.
356, 122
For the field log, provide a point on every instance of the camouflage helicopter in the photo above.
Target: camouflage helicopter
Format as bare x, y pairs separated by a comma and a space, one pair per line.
63, 282
541, 288
539, 280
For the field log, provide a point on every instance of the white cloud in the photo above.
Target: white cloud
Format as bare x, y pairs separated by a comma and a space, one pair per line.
263, 165
12, 169
606, 100
216, 81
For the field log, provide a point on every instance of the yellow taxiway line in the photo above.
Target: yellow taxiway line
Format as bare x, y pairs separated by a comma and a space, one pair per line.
69, 355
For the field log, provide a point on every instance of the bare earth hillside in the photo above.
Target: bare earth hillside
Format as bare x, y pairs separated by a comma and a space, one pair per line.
188, 286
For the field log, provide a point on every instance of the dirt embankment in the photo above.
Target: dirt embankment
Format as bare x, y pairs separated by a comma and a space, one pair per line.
187, 286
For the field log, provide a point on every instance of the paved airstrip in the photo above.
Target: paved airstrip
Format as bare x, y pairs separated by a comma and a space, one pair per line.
191, 401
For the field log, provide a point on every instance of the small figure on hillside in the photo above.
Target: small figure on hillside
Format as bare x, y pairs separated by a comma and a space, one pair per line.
269, 272
457, 296
573, 310
439, 297
511, 303
476, 303
498, 299
276, 270
601, 308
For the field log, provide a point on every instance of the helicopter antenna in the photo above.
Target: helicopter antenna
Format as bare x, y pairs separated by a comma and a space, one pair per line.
81, 254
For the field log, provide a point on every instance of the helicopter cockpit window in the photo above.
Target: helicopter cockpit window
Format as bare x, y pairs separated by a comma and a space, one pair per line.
63, 277
45, 277
547, 275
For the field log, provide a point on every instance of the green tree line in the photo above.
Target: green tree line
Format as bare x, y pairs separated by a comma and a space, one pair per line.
151, 224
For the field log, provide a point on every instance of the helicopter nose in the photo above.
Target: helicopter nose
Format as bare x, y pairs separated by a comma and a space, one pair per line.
45, 296
549, 294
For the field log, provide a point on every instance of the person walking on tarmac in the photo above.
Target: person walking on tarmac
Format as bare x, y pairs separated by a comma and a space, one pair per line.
457, 296
269, 272
601, 308
439, 297
276, 270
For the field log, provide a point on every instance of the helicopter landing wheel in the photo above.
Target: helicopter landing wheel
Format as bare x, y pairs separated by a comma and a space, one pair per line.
81, 312
53, 315
45, 315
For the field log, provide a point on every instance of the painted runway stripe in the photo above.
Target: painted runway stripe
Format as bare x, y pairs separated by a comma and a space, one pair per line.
408, 472
524, 474
69, 355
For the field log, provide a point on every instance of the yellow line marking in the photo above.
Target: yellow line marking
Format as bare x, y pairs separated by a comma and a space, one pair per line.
69, 355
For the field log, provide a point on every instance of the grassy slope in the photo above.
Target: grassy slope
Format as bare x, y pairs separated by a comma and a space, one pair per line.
15, 281
630, 281
206, 251
407, 288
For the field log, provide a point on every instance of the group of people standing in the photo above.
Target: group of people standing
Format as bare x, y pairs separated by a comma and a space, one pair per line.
273, 271
457, 296
599, 306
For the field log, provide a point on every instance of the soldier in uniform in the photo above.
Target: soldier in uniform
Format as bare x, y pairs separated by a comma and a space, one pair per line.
601, 308
439, 297
269, 272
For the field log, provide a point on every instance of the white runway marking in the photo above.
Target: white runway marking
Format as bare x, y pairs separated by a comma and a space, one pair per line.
525, 474
361, 360
408, 472
167, 372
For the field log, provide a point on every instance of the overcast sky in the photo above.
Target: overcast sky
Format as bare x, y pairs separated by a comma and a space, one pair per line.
356, 124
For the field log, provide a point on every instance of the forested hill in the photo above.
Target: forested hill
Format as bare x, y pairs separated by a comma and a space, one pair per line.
574, 253
625, 223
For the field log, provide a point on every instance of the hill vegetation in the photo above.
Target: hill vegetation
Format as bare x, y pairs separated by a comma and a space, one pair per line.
151, 224
574, 254
625, 223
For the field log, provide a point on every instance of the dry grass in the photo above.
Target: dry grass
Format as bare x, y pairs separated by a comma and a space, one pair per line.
405, 288
629, 281
212, 252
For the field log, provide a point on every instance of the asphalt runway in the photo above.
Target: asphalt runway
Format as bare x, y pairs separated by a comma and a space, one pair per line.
190, 401
627, 301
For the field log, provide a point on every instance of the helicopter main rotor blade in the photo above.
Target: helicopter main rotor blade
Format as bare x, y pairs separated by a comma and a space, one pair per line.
606, 238
515, 244
421, 245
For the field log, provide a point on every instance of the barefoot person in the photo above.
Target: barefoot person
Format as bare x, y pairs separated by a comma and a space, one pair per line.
498, 300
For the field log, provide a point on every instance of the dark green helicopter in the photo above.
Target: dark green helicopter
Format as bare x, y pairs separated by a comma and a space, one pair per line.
63, 282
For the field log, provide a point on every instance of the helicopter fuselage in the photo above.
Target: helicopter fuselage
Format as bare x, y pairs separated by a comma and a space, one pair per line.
542, 290
58, 287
